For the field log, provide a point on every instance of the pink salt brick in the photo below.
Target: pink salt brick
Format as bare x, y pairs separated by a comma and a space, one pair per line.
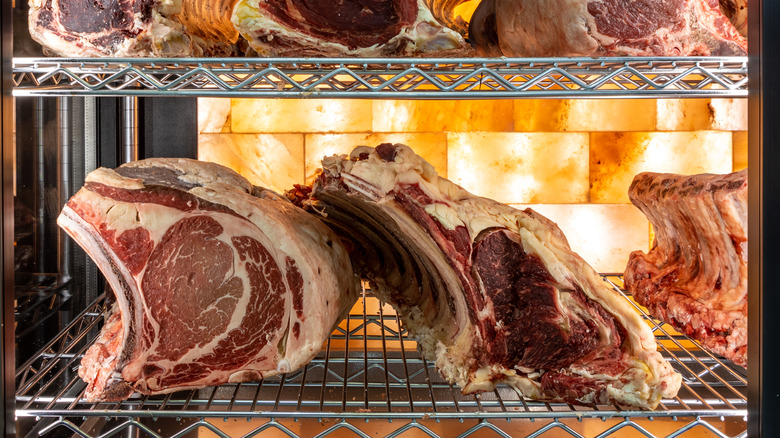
442, 115
521, 167
615, 158
300, 115
540, 115
274, 161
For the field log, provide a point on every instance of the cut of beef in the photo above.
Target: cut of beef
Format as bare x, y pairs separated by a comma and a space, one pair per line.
183, 28
737, 11
84, 28
535, 28
695, 276
345, 28
212, 284
493, 294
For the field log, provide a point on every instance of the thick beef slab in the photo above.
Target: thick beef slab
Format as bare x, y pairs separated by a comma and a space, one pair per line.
345, 28
605, 28
494, 294
695, 277
212, 284
183, 28
126, 28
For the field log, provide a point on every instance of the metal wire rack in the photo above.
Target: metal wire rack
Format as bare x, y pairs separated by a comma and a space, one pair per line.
369, 378
446, 78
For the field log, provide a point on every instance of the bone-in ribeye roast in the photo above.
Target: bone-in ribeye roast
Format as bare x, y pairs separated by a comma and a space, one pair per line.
695, 276
212, 284
604, 28
494, 294
183, 28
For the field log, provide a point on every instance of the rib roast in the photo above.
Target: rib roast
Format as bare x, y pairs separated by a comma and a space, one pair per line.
493, 294
215, 281
695, 276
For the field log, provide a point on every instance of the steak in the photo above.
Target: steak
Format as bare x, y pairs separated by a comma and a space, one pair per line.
491, 293
83, 28
212, 284
695, 276
542, 28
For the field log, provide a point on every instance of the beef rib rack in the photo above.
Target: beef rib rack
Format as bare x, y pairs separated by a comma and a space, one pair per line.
212, 284
544, 28
493, 294
695, 276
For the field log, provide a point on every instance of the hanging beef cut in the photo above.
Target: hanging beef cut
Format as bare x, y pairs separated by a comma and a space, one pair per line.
539, 28
128, 28
695, 276
212, 284
493, 294
345, 28
80, 28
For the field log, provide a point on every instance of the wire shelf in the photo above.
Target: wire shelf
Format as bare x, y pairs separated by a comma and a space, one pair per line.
369, 372
424, 78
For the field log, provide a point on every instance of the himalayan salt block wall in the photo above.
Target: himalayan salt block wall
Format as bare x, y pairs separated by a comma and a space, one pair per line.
571, 160
521, 167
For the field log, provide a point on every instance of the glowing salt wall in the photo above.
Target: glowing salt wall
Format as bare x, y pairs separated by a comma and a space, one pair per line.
571, 160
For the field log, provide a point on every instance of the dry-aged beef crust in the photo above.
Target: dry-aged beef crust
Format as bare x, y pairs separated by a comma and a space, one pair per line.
84, 28
695, 276
493, 294
345, 28
531, 28
212, 284
80, 28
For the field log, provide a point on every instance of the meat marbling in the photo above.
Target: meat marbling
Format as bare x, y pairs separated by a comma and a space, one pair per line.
539, 28
695, 276
212, 284
183, 28
493, 294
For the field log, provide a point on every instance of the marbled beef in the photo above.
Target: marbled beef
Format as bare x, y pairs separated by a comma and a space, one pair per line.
493, 294
127, 28
212, 284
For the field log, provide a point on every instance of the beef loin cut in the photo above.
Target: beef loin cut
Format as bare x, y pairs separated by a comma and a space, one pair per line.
493, 294
345, 28
212, 284
211, 28
695, 276
533, 28
127, 28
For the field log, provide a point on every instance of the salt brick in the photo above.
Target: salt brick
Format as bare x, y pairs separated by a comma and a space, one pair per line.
602, 234
273, 161
740, 156
431, 146
213, 114
301, 115
521, 168
442, 115
534, 115
615, 158
702, 114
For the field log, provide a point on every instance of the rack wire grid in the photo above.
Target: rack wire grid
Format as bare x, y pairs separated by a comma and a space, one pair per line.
368, 380
423, 78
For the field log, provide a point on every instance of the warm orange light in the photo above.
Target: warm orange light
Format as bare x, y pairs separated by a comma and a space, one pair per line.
572, 159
